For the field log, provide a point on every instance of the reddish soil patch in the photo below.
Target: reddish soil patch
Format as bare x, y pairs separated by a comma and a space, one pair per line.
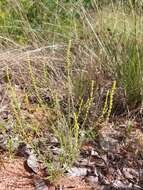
13, 176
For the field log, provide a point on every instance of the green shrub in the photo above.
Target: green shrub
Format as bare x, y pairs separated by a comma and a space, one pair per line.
129, 71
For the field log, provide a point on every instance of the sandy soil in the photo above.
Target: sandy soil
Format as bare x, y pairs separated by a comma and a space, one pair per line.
13, 176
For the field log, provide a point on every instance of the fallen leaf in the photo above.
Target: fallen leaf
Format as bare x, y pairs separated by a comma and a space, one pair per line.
32, 163
40, 184
77, 172
120, 185
92, 180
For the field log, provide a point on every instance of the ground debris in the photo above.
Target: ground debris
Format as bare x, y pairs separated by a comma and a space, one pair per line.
40, 184
77, 172
107, 162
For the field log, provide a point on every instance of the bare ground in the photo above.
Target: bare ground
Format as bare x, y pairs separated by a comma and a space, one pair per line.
13, 176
